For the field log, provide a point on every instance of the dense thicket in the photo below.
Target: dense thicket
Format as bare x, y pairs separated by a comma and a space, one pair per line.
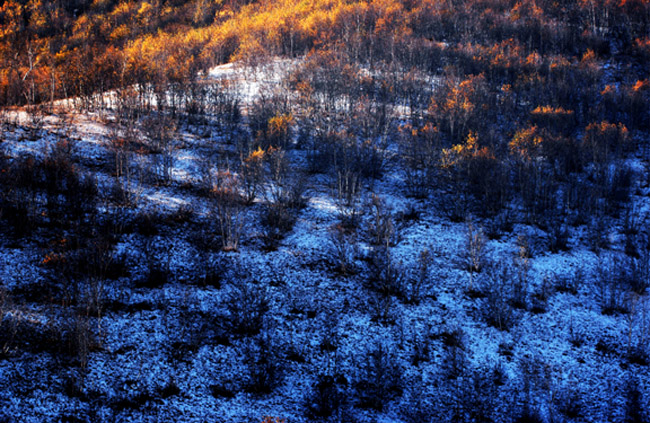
62, 49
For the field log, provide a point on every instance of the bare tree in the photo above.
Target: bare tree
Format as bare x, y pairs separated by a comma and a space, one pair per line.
228, 205
118, 145
161, 134
474, 252
251, 171
344, 249
382, 228
348, 195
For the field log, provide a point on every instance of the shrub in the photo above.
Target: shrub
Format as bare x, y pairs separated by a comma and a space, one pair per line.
534, 386
638, 354
20, 212
93, 259
265, 368
8, 328
541, 296
416, 409
331, 339
421, 350
222, 391
496, 306
570, 282
271, 121
538, 190
279, 188
616, 184
380, 379
328, 395
247, 306
347, 190
597, 234
125, 192
322, 151
382, 308
78, 338
278, 219
182, 214
499, 225
454, 355
529, 415
369, 157
381, 228
520, 279
474, 254
616, 276
36, 121
281, 211
419, 149
637, 273
385, 276
558, 237
343, 249
119, 144
213, 271
476, 395
638, 331
49, 191
476, 172
161, 133
631, 245
169, 389
414, 282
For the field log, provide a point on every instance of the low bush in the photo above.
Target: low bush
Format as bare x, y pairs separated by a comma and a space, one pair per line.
278, 219
617, 276
381, 227
327, 397
343, 250
496, 307
247, 306
380, 379
265, 366
385, 275
454, 354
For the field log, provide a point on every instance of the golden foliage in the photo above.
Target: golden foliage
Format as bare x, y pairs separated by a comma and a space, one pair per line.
551, 111
461, 155
164, 42
526, 143
279, 125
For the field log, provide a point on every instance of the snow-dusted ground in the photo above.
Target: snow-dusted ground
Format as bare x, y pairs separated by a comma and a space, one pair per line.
251, 83
143, 329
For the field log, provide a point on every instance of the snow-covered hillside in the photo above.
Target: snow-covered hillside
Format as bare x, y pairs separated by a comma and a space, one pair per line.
375, 307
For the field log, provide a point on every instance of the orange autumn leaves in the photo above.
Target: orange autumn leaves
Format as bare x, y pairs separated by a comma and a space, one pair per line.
123, 42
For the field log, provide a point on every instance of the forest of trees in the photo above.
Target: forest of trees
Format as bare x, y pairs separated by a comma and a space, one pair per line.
80, 48
523, 82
